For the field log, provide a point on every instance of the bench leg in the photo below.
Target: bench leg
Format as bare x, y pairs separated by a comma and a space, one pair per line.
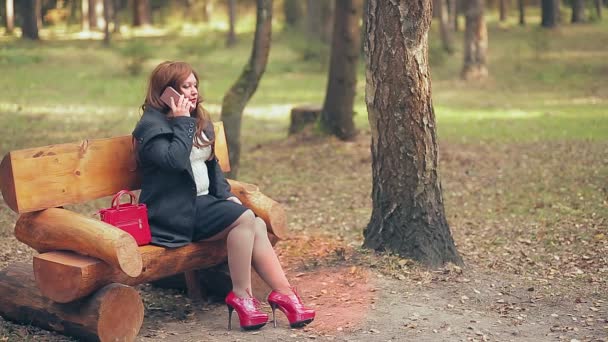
195, 291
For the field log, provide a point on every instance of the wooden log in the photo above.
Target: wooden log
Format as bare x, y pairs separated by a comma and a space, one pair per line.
114, 313
263, 206
61, 229
303, 116
76, 172
66, 276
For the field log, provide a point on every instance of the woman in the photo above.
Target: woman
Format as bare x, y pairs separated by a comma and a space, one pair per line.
189, 199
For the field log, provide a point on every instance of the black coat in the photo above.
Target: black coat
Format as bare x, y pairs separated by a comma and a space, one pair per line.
168, 189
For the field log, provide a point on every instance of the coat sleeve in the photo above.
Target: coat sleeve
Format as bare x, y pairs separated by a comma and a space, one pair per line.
170, 152
219, 184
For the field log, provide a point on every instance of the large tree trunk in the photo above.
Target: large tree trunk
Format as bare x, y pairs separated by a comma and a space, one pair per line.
522, 12
475, 41
578, 11
114, 313
245, 86
549, 13
231, 37
10, 16
445, 27
141, 13
408, 216
503, 7
338, 108
30, 19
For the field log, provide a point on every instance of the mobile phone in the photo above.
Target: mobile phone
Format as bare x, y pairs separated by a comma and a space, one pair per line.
168, 94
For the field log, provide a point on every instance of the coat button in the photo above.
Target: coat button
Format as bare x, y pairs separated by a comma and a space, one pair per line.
190, 130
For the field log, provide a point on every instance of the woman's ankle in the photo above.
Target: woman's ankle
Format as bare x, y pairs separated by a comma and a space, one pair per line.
285, 290
242, 293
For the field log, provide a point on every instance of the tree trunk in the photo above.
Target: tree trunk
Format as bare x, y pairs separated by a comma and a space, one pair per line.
475, 41
242, 90
598, 9
445, 27
30, 19
231, 37
338, 109
106, 19
319, 19
503, 9
114, 16
86, 25
549, 13
408, 215
578, 11
292, 10
453, 14
114, 313
522, 12
141, 13
10, 16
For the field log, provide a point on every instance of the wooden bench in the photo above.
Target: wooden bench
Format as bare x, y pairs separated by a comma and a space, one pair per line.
80, 283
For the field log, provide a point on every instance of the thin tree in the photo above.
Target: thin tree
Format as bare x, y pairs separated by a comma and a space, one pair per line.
598, 9
292, 10
408, 216
242, 90
453, 13
522, 12
338, 108
10, 16
503, 8
106, 19
475, 41
141, 13
231, 37
86, 26
549, 13
445, 29
30, 19
578, 11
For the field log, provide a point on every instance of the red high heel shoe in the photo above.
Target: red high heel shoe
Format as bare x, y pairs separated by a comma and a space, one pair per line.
248, 309
292, 307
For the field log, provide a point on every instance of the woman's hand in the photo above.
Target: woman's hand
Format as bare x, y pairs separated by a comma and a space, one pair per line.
182, 107
235, 200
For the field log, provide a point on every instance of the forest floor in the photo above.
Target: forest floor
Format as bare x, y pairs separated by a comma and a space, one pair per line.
541, 275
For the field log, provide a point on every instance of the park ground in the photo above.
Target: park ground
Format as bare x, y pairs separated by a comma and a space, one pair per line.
523, 164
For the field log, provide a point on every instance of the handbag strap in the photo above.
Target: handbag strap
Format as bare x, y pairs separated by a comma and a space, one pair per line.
116, 198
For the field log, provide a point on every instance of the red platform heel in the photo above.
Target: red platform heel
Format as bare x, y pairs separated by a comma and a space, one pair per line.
292, 307
248, 310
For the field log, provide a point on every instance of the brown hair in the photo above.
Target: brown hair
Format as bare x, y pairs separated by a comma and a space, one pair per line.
173, 74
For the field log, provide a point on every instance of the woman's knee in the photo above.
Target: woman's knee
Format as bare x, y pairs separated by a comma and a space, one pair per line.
260, 226
247, 219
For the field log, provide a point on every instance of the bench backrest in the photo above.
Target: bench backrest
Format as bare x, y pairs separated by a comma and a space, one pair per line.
51, 176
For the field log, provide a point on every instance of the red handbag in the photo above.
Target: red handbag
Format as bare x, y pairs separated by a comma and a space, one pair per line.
130, 217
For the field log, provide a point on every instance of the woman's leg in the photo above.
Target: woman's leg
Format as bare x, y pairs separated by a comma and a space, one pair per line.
266, 262
240, 238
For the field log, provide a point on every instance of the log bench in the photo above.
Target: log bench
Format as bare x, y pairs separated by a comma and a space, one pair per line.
82, 278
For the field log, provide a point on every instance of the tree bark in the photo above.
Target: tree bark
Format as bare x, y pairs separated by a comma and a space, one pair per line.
231, 37
408, 215
503, 7
319, 15
454, 14
86, 25
61, 229
522, 12
598, 9
292, 10
242, 90
578, 11
445, 27
106, 19
30, 19
10, 16
549, 13
141, 13
114, 313
475, 41
338, 108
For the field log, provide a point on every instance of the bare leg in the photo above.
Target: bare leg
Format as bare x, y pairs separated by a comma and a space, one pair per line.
265, 260
240, 238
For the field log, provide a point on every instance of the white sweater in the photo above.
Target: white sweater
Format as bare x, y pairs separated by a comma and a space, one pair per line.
198, 156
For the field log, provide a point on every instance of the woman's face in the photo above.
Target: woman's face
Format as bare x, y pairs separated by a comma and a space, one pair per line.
189, 89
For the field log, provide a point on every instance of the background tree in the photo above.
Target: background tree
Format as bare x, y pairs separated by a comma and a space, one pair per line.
10, 16
503, 8
445, 28
319, 19
245, 86
549, 13
453, 13
598, 9
338, 108
106, 18
30, 19
475, 41
408, 216
293, 11
141, 13
231, 37
86, 26
578, 11
522, 12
